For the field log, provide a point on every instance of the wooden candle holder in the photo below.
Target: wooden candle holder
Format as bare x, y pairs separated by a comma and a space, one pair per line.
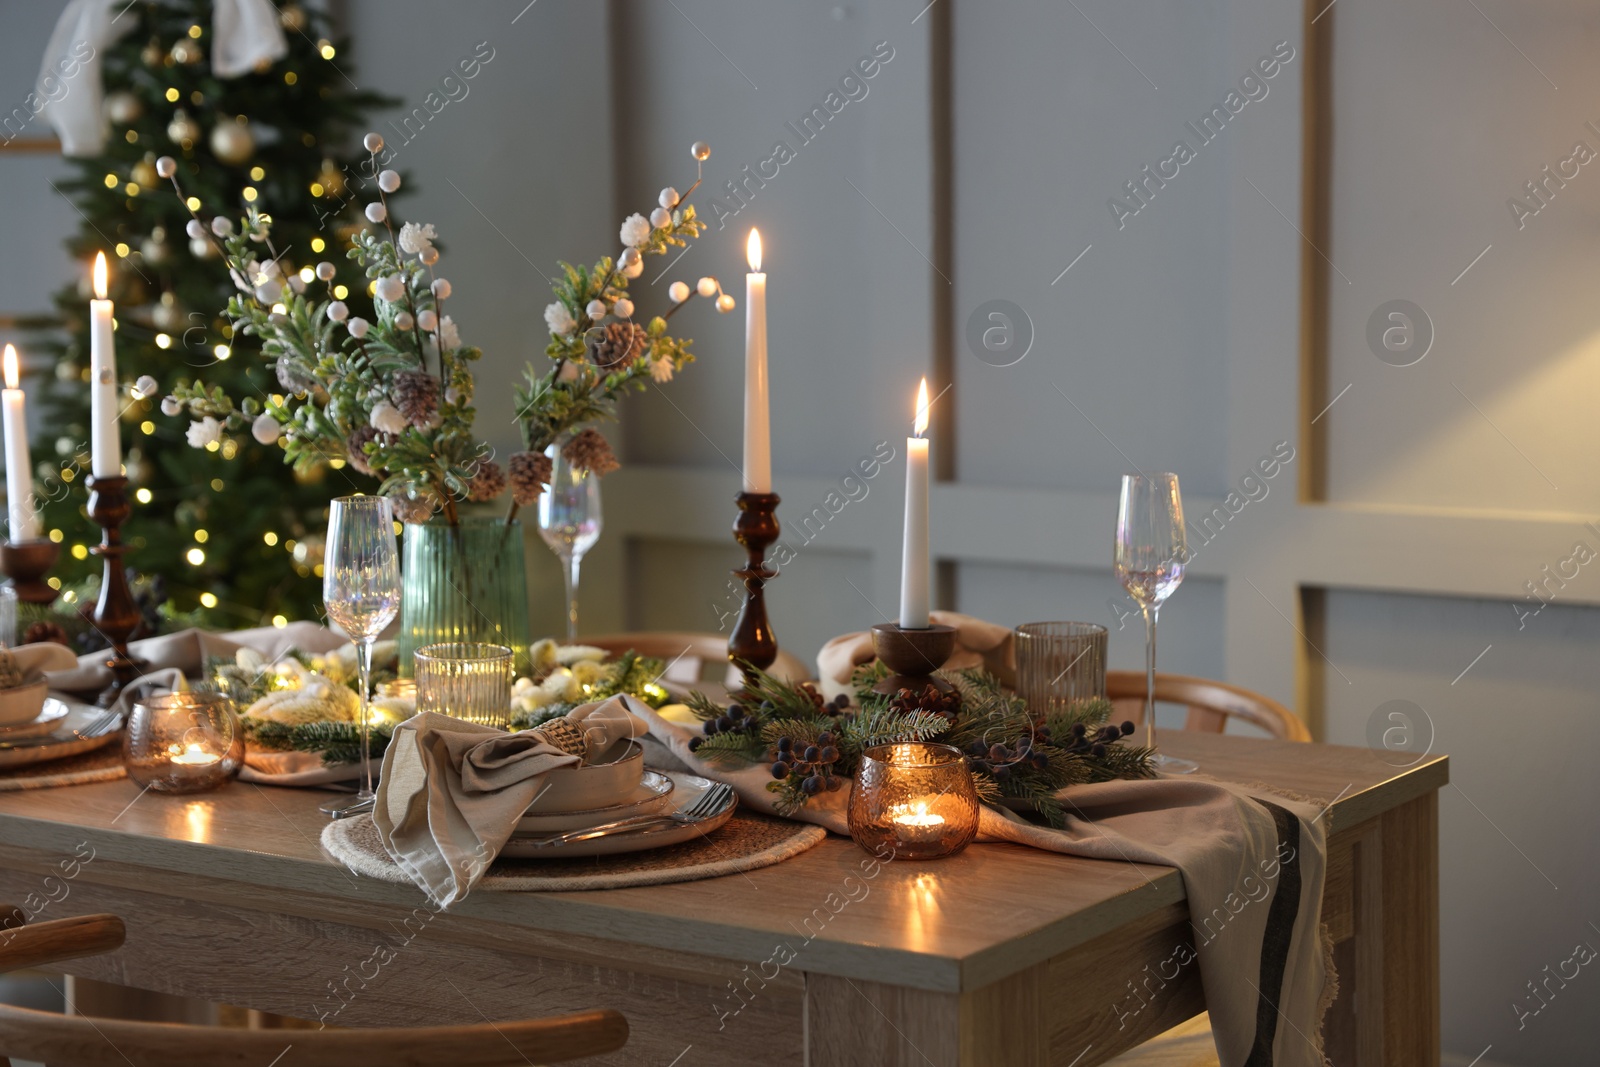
26, 563
752, 643
116, 614
912, 656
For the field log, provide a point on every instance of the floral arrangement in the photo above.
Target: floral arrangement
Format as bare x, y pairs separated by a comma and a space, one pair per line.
565, 676
598, 352
1016, 758
393, 395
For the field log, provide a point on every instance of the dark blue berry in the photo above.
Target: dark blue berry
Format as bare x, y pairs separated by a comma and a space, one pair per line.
811, 786
735, 712
1097, 751
829, 754
812, 754
785, 744
1041, 761
835, 783
696, 742
998, 753
780, 770
1078, 729
825, 738
1127, 727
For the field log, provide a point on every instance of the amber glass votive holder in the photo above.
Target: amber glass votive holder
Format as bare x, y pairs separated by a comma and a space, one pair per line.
183, 743
914, 799
468, 680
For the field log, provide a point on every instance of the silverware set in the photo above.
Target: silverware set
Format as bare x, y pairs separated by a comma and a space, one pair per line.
104, 723
710, 803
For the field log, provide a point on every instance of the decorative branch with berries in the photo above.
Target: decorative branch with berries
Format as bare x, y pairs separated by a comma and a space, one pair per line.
1017, 758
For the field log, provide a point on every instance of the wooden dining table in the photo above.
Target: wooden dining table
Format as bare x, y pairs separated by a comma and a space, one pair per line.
999, 956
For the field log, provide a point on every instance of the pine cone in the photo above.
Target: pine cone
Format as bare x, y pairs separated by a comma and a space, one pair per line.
930, 699
45, 630
589, 451
622, 344
488, 482
530, 473
416, 394
408, 510
354, 448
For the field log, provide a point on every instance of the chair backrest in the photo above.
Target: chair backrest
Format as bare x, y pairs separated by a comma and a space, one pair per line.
81, 1041
695, 657
1210, 704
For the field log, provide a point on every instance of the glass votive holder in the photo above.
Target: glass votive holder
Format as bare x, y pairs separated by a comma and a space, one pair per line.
914, 799
183, 742
1059, 664
468, 680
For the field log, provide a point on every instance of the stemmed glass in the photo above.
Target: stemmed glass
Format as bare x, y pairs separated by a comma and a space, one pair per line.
1151, 554
569, 522
361, 590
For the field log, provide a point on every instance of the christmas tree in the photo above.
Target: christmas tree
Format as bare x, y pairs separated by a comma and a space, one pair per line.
234, 532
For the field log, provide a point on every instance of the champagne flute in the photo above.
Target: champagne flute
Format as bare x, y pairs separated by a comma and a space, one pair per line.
569, 522
1150, 557
361, 590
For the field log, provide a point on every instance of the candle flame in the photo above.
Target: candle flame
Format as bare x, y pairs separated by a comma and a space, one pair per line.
11, 366
752, 250
921, 424
100, 275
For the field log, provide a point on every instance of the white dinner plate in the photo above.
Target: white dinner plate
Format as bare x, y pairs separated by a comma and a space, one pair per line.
48, 718
61, 742
651, 795
687, 788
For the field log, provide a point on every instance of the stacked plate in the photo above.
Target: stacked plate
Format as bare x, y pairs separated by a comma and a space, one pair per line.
614, 806
61, 729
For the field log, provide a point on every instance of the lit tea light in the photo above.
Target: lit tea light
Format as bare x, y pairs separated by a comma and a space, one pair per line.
194, 756
920, 824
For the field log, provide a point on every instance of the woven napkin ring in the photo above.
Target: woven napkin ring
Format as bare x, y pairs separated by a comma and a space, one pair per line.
565, 735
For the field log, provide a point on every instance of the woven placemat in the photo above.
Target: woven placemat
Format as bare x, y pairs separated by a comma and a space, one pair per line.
745, 842
104, 764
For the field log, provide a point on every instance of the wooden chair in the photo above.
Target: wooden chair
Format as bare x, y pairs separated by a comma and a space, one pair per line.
695, 657
1210, 704
81, 1041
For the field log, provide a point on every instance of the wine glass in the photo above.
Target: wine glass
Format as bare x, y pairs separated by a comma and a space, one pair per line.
1151, 554
361, 590
569, 522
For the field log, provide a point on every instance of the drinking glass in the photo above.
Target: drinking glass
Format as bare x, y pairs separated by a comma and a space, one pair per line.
361, 590
1150, 557
1059, 664
468, 680
569, 522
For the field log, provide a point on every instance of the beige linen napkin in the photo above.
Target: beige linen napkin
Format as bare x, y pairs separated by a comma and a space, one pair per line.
978, 644
1252, 864
452, 791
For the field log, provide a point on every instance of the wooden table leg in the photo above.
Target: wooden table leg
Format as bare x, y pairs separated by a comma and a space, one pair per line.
1410, 908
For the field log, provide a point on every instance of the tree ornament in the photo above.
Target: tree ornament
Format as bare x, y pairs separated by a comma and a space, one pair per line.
166, 167
427, 319
725, 303
355, 448
388, 181
403, 321
187, 50
182, 129
232, 143
123, 108
376, 212
265, 429
143, 173
152, 54
293, 18
167, 315
660, 218
331, 178
623, 308
441, 288
153, 249
668, 198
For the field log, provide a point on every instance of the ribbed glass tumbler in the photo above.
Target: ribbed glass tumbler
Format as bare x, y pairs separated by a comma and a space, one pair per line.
468, 680
1060, 664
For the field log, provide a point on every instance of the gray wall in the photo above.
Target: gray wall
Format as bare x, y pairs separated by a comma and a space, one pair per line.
1172, 343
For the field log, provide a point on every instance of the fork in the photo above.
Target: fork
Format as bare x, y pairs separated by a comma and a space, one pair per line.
99, 726
709, 803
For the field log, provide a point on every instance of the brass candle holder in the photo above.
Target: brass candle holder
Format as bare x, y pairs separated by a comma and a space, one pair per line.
26, 563
912, 656
752, 643
116, 614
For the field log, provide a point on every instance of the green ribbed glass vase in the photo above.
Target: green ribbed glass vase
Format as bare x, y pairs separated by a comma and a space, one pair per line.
464, 583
